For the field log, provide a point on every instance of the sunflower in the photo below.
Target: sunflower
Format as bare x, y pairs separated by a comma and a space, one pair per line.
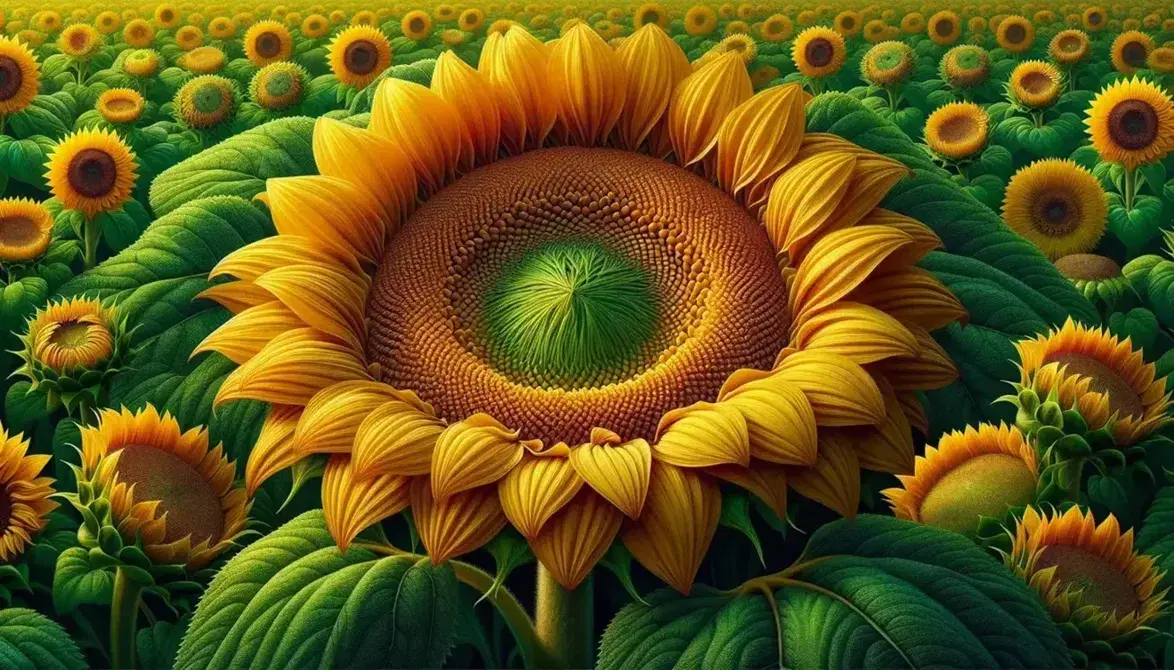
141, 63
913, 23
743, 46
1015, 34
977, 27
847, 23
944, 27
1130, 51
364, 17
445, 13
965, 66
762, 76
26, 228
25, 498
738, 28
776, 28
165, 488
138, 33
189, 37
267, 42
471, 20
476, 382
819, 52
1056, 205
47, 22
167, 16
203, 60
983, 472
1132, 122
1099, 278
121, 105
80, 41
1094, 19
69, 337
279, 86
337, 17
1088, 574
875, 31
1035, 84
650, 13
416, 25
222, 28
700, 21
20, 76
957, 130
358, 55
206, 102
107, 22
887, 64
805, 18
1161, 60
91, 171
1069, 47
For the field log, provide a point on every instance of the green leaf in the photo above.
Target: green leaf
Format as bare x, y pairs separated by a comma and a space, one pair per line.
76, 582
1157, 533
873, 592
996, 160
48, 115
158, 644
23, 406
1139, 325
30, 641
1138, 226
24, 160
291, 600
239, 165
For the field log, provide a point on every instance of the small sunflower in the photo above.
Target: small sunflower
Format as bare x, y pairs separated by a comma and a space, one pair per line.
1099, 278
189, 37
279, 86
1056, 205
358, 55
743, 46
700, 21
26, 229
819, 52
267, 42
364, 17
913, 23
983, 472
957, 130
206, 102
445, 13
222, 28
848, 23
887, 64
121, 105
167, 16
944, 27
650, 13
107, 22
142, 63
471, 20
25, 498
203, 60
1069, 47
47, 22
416, 25
1094, 19
165, 488
1130, 51
1161, 60
1132, 122
70, 339
875, 31
776, 28
1035, 84
138, 33
966, 66
20, 76
738, 28
1015, 34
80, 41
92, 171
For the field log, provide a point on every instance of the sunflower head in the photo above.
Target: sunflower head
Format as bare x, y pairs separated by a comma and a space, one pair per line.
92, 171
913, 23
20, 76
107, 22
359, 54
1099, 278
167, 16
267, 42
471, 20
138, 33
203, 60
165, 491
416, 25
650, 12
70, 348
26, 229
207, 102
121, 105
1015, 34
700, 20
966, 66
944, 27
189, 37
25, 497
819, 52
848, 23
1132, 122
957, 130
1130, 51
222, 28
887, 64
80, 41
876, 31
445, 13
776, 28
1035, 84
47, 21
1069, 47
1056, 205
279, 86
141, 63
740, 45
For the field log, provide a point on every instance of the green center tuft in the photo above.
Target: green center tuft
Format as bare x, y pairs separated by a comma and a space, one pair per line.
279, 84
208, 99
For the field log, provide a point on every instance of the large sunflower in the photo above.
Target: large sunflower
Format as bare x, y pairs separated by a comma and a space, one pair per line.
957, 130
91, 171
819, 52
1130, 50
1035, 84
79, 41
1132, 122
359, 54
19, 76
26, 229
267, 42
573, 335
25, 498
1015, 34
1057, 205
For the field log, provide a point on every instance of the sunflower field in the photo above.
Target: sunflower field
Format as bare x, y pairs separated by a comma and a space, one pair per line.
530, 335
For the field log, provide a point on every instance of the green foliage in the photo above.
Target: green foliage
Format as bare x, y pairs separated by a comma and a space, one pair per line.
30, 641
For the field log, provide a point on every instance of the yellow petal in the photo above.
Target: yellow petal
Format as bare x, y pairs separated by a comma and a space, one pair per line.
574, 540
515, 64
765, 480
396, 438
537, 488
245, 334
654, 64
333, 213
834, 480
932, 368
803, 199
351, 505
759, 138
888, 447
254, 260
369, 161
333, 415
291, 369
426, 127
677, 524
329, 300
474, 452
701, 435
460, 524
924, 239
618, 472
840, 392
588, 84
912, 296
862, 333
273, 451
701, 103
779, 417
236, 296
475, 100
914, 411
838, 263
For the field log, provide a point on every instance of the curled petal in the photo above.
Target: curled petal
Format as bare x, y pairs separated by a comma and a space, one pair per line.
803, 199
475, 100
245, 334
834, 480
862, 333
291, 369
838, 263
701, 103
237, 296
333, 213
779, 417
924, 239
574, 540
326, 299
914, 411
840, 392
932, 368
474, 452
677, 524
333, 415
654, 64
397, 437
459, 524
588, 84
254, 260
767, 481
888, 446
369, 161
701, 435
759, 138
273, 451
351, 504
516, 66
912, 296
426, 127
532, 492
618, 472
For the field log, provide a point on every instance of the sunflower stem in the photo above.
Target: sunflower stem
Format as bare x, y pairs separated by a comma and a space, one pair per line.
515, 616
1130, 187
893, 99
1075, 471
90, 236
564, 621
124, 612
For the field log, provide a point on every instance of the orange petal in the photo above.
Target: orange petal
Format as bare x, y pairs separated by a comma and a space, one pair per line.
834, 480
325, 298
765, 480
475, 100
460, 524
914, 411
537, 488
701, 103
803, 199
273, 451
242, 336
254, 260
515, 64
618, 472
291, 369
838, 263
912, 296
701, 435
351, 505
370, 162
574, 540
473, 452
333, 416
932, 368
236, 296
333, 213
396, 438
863, 334
588, 83
924, 239
840, 392
759, 138
779, 418
426, 127
654, 64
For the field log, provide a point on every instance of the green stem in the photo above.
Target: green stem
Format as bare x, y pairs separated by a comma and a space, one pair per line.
124, 612
564, 621
1075, 470
816, 85
893, 100
1130, 187
90, 236
511, 611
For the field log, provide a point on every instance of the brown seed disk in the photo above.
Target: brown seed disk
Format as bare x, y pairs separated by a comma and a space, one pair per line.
192, 507
92, 173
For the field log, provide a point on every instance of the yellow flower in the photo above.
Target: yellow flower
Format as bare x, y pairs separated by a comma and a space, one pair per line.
819, 52
650, 13
189, 37
700, 20
267, 42
79, 41
1035, 84
92, 171
847, 23
21, 76
887, 64
47, 22
875, 31
121, 105
364, 17
1130, 50
1015, 34
141, 63
416, 25
279, 86
776, 28
571, 428
166, 16
358, 55
912, 23
471, 20
1132, 122
1094, 19
138, 33
743, 46
1057, 205
445, 13
70, 336
1161, 60
107, 22
957, 130
222, 28
26, 228
944, 27
25, 498
206, 102
202, 60
1069, 47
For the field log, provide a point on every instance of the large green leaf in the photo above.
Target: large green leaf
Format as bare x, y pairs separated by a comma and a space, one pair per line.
30, 641
292, 600
875, 592
1157, 533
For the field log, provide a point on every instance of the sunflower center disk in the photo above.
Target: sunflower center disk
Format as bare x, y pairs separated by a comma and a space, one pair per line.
361, 57
1016, 34
92, 173
1102, 584
1088, 266
11, 77
70, 335
571, 288
268, 45
1134, 54
192, 507
983, 486
1057, 214
819, 52
1122, 397
17, 231
1133, 124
